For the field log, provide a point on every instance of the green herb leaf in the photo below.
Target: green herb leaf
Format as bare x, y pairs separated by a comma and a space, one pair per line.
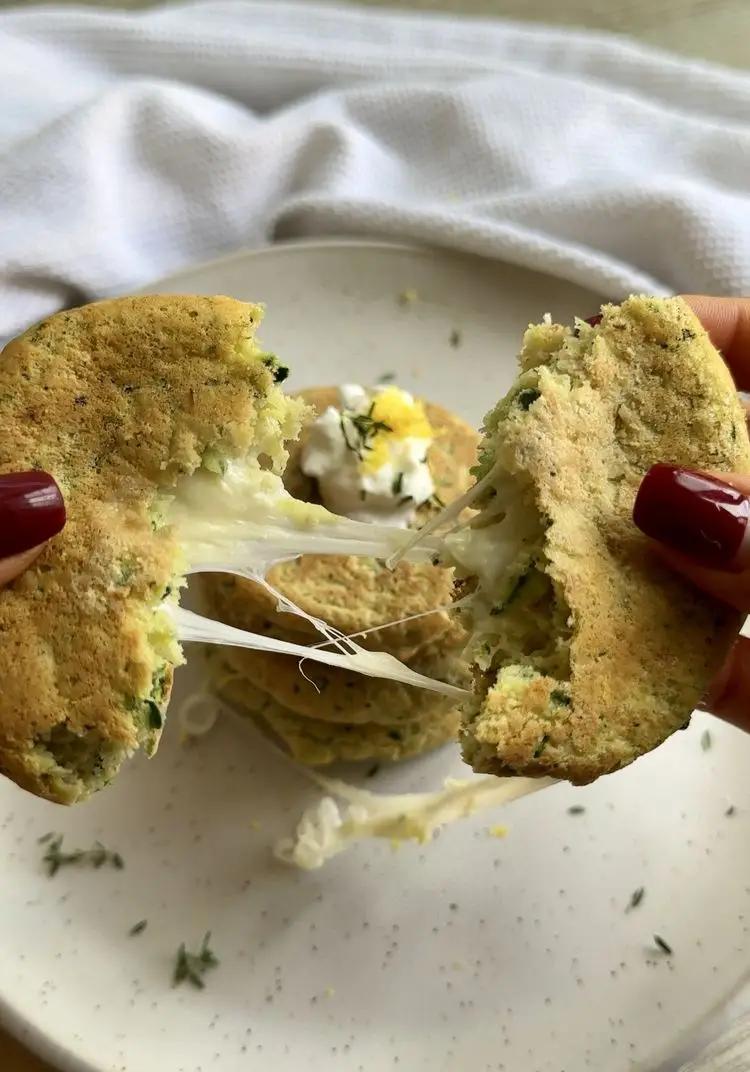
362, 429
665, 947
193, 966
353, 446
559, 697
138, 928
182, 970
576, 809
95, 857
635, 898
541, 746
280, 372
398, 484
455, 338
386, 377
706, 740
527, 397
730, 810
207, 955
155, 717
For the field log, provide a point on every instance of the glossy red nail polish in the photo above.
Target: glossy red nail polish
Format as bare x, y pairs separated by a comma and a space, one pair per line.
696, 514
31, 511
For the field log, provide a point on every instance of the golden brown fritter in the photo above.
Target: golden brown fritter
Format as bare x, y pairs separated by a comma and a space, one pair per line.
333, 694
117, 400
588, 651
317, 742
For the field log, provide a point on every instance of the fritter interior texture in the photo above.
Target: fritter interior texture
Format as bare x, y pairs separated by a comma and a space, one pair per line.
588, 651
117, 400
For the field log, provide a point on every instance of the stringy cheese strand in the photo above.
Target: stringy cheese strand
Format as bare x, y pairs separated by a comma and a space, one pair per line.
192, 627
447, 514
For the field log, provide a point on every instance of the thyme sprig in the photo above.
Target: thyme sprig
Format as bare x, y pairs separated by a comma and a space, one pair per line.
635, 898
363, 428
193, 966
96, 856
664, 946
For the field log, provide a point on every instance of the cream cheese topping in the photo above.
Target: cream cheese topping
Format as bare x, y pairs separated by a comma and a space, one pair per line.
369, 456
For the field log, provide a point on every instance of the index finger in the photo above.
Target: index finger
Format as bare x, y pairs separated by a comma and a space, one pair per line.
727, 321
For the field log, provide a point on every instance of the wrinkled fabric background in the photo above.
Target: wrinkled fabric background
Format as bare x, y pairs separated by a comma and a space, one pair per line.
132, 144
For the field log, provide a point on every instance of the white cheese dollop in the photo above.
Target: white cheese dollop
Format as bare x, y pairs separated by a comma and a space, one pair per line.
369, 456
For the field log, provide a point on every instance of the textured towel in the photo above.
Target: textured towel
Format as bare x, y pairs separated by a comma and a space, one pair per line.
134, 144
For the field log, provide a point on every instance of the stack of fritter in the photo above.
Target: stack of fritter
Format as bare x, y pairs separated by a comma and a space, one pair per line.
323, 714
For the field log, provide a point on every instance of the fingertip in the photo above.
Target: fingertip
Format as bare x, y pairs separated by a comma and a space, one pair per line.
729, 695
697, 514
32, 511
727, 321
13, 567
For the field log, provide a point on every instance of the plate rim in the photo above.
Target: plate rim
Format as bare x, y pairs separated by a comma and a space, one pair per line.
314, 244
41, 1044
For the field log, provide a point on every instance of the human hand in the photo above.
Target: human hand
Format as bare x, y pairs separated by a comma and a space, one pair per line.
31, 512
701, 521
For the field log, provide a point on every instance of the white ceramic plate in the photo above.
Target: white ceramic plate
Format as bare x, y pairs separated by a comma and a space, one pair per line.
469, 953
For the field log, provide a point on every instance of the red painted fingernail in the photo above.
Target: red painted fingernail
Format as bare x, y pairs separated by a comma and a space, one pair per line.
593, 320
31, 511
696, 514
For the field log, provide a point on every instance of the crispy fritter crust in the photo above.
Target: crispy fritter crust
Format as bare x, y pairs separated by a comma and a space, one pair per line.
116, 400
644, 643
317, 742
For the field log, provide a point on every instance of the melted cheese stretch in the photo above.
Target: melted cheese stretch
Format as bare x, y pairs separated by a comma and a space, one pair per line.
242, 522
194, 627
246, 520
349, 814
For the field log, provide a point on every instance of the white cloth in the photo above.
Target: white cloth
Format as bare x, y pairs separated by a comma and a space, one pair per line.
133, 144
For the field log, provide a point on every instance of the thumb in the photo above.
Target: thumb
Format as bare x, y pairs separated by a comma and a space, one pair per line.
701, 523
13, 567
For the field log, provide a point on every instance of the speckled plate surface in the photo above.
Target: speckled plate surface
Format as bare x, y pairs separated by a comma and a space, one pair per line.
469, 953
